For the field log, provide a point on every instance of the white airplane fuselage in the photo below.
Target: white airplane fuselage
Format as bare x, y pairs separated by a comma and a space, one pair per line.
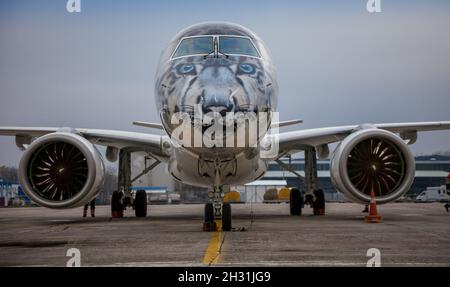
236, 77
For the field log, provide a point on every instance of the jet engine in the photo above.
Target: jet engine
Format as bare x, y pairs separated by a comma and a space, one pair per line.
61, 170
372, 159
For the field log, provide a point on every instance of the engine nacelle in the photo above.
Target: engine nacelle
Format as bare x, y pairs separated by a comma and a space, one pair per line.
61, 170
372, 159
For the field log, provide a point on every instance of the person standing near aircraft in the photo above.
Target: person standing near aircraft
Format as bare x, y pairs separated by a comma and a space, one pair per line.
86, 206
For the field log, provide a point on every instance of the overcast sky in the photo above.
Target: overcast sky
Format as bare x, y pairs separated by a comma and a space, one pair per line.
336, 63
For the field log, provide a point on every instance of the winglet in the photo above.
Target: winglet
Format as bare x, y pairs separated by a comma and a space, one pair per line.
148, 125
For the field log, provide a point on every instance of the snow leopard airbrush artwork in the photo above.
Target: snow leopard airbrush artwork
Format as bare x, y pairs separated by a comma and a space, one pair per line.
215, 67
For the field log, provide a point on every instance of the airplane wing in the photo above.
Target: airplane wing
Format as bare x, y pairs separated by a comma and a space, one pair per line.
114, 138
290, 142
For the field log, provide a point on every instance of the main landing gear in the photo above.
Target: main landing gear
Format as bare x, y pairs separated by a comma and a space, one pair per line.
314, 196
297, 202
119, 203
124, 197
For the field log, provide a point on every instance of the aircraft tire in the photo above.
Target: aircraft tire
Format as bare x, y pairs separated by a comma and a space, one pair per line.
319, 203
226, 217
140, 203
209, 213
116, 204
296, 202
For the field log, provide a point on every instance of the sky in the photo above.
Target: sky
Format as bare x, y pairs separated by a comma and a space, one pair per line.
337, 64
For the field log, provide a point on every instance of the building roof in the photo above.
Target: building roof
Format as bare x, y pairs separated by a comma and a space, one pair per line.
155, 188
326, 173
417, 158
267, 183
433, 158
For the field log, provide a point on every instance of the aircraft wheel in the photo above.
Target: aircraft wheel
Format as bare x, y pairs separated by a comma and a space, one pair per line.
116, 204
319, 203
226, 217
209, 213
140, 203
296, 202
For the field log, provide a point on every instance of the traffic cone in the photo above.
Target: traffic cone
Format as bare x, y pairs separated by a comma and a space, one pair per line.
373, 216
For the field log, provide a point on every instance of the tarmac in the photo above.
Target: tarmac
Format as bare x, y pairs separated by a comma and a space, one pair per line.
411, 234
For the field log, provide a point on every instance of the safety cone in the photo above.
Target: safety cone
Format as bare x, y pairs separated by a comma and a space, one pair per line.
373, 216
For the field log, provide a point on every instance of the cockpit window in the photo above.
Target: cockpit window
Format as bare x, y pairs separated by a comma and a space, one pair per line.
194, 46
237, 45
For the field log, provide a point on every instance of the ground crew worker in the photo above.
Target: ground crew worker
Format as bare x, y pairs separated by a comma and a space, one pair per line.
92, 204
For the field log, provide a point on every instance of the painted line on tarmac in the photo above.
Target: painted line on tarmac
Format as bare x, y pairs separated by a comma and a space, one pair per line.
212, 253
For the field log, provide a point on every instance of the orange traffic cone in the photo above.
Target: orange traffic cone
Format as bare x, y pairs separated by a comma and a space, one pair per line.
373, 216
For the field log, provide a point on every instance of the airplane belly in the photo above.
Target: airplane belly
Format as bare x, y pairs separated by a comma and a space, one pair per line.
198, 167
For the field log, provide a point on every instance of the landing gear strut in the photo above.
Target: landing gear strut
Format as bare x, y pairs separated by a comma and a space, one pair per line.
314, 196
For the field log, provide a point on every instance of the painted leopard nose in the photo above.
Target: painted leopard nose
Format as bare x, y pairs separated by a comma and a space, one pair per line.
218, 104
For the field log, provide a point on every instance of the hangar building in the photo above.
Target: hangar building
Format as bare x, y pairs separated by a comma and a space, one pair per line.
430, 171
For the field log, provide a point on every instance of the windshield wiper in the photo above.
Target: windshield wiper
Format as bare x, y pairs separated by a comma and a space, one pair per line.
216, 52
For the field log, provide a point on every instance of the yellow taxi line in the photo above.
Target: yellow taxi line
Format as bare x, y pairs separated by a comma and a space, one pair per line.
212, 253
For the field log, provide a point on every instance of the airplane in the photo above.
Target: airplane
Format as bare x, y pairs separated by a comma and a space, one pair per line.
217, 69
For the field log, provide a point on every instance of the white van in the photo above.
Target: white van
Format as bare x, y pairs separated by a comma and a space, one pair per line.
435, 193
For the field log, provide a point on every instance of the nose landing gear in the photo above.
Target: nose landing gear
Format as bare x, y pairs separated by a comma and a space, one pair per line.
217, 214
217, 211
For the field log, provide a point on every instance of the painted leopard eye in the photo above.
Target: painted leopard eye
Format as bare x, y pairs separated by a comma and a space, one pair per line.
246, 68
186, 69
